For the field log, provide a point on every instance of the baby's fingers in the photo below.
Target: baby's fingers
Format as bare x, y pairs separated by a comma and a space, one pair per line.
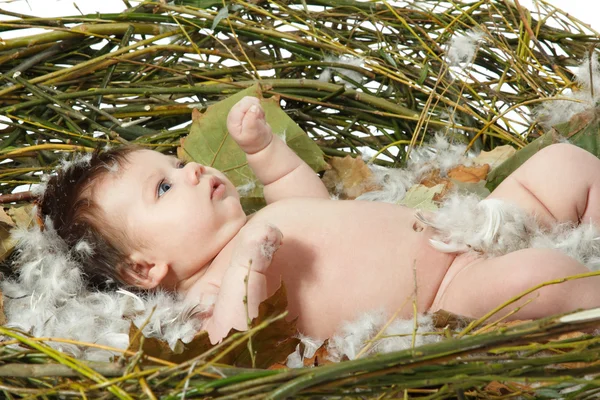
247, 125
271, 241
237, 113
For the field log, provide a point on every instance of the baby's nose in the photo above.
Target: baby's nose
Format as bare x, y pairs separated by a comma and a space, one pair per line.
194, 172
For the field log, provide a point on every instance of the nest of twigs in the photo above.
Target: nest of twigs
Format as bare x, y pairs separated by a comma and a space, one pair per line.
358, 77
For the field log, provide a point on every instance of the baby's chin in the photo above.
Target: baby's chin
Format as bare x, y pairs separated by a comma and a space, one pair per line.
234, 204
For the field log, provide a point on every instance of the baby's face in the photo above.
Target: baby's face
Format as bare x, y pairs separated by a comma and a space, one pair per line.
181, 215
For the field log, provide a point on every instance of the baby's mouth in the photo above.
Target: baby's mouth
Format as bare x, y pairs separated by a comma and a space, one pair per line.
217, 188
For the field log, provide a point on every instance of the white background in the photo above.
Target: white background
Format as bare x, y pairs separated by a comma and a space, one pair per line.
586, 10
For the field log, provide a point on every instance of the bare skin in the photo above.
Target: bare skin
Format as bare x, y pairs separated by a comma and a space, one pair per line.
337, 259
558, 184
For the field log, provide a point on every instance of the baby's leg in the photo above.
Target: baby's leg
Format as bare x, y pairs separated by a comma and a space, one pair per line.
560, 183
485, 284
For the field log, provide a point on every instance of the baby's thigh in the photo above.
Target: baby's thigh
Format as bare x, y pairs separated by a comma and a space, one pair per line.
556, 184
482, 286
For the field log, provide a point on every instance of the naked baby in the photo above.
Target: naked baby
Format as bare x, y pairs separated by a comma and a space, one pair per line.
154, 221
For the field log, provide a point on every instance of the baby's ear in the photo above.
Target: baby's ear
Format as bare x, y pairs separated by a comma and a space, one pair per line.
144, 274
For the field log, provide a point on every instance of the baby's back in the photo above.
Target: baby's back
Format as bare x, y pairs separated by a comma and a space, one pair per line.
339, 259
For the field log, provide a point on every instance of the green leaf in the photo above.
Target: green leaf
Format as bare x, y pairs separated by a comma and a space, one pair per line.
476, 188
423, 74
383, 53
582, 130
548, 394
223, 13
209, 143
421, 197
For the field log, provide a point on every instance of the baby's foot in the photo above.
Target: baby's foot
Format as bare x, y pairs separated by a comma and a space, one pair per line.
247, 125
255, 247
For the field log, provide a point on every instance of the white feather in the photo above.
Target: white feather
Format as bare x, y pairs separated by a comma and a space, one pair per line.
565, 105
48, 296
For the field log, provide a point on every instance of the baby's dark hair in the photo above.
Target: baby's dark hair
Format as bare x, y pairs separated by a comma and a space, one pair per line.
68, 204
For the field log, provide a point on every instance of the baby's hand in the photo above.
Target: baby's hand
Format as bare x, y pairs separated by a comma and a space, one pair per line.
247, 125
255, 247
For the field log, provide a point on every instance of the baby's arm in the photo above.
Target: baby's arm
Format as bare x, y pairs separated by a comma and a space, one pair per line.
278, 168
251, 257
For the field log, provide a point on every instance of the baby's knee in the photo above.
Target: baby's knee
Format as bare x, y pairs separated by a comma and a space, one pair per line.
548, 264
555, 155
546, 269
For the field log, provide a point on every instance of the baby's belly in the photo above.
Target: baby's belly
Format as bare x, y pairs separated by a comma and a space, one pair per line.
342, 259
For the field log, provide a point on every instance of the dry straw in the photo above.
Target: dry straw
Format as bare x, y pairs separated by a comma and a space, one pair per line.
355, 75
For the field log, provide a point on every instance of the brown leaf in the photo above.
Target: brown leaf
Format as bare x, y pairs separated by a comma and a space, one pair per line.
433, 179
496, 156
7, 244
160, 349
567, 336
2, 316
277, 366
501, 389
578, 365
443, 318
271, 345
350, 177
5, 219
497, 388
15, 217
319, 358
469, 174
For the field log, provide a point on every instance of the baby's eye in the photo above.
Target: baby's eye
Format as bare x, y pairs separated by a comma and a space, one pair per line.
163, 187
181, 164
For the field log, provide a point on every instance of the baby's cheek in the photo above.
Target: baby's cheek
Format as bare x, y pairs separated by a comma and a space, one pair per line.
231, 190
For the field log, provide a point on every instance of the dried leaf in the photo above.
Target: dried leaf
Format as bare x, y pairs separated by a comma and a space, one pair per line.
271, 345
500, 389
15, 217
2, 315
578, 364
209, 143
442, 319
277, 366
160, 349
497, 388
496, 156
6, 242
568, 336
469, 174
349, 177
432, 179
5, 219
421, 197
319, 358
21, 216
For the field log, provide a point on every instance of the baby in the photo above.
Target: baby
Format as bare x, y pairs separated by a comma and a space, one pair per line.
153, 221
